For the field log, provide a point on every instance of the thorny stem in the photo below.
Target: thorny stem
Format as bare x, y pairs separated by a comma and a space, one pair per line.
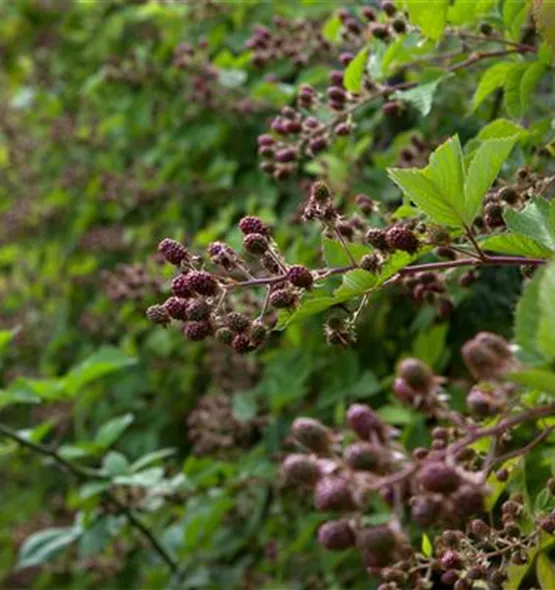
83, 473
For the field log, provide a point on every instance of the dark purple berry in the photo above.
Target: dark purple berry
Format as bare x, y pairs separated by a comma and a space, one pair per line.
333, 494
158, 314
238, 322
172, 251
468, 501
198, 310
377, 238
362, 456
253, 225
378, 539
365, 422
177, 307
300, 469
255, 243
336, 535
282, 298
300, 276
439, 478
312, 434
181, 286
401, 238
197, 331
202, 282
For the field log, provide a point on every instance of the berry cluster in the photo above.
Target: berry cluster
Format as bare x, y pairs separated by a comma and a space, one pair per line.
445, 484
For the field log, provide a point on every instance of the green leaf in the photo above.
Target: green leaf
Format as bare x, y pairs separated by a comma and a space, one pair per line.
427, 548
150, 458
527, 319
144, 479
430, 17
331, 28
108, 359
421, 97
356, 282
544, 16
308, 307
5, 338
45, 545
429, 345
501, 128
511, 90
516, 245
533, 221
426, 194
530, 79
114, 463
335, 255
515, 13
492, 79
546, 332
354, 73
113, 429
545, 572
482, 172
244, 406
537, 379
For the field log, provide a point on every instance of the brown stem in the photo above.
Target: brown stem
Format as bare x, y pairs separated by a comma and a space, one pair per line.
83, 473
522, 450
472, 239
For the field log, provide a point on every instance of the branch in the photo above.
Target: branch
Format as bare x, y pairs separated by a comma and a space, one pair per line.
83, 473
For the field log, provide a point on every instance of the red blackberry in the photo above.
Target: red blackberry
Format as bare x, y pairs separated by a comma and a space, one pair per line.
238, 322
377, 238
300, 276
177, 307
312, 434
300, 469
181, 286
401, 238
253, 225
333, 494
198, 310
336, 535
439, 478
255, 243
172, 251
197, 330
158, 314
241, 343
320, 191
282, 298
202, 282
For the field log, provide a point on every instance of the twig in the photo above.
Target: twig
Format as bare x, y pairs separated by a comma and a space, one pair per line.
522, 450
83, 473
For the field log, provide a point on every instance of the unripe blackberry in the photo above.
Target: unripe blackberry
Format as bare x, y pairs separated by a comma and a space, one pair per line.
269, 263
377, 238
300, 469
253, 225
399, 25
172, 251
425, 510
416, 374
444, 309
479, 528
486, 355
362, 456
371, 263
333, 494
439, 478
486, 28
468, 500
462, 584
224, 335
345, 229
238, 322
365, 422
337, 93
343, 129
378, 539
476, 573
391, 108
445, 252
286, 155
158, 314
241, 343
401, 238
379, 30
258, 333
346, 58
365, 204
451, 560
181, 286
389, 7
508, 194
336, 78
449, 578
318, 144
498, 576
202, 282
198, 310
197, 331
438, 235
312, 434
255, 243
222, 254
282, 298
368, 13
467, 279
320, 191
336, 535
502, 474
177, 307
300, 276
266, 140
